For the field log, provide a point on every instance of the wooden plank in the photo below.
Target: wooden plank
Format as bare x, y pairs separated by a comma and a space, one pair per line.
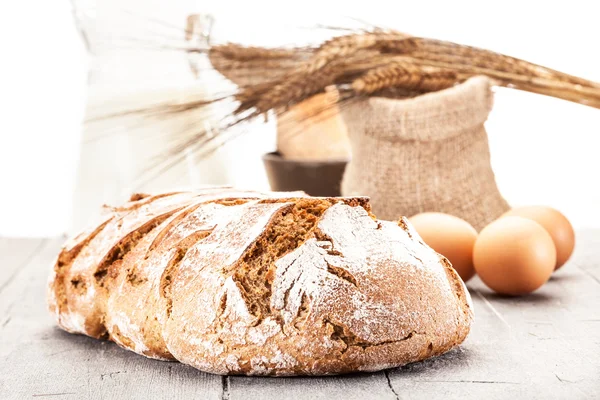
45, 362
544, 345
348, 387
14, 254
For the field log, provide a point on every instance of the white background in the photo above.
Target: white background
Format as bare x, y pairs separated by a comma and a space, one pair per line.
52, 177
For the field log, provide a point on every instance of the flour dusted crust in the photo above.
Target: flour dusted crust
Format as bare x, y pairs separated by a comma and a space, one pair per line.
235, 282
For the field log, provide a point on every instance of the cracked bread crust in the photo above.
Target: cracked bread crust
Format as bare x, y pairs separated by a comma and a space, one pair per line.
261, 284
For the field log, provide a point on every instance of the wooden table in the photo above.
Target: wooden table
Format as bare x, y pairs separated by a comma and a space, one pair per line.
543, 346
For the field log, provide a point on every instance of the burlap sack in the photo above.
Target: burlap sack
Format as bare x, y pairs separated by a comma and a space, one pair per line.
428, 153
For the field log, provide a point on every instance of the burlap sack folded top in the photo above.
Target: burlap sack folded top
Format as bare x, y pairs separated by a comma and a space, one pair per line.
428, 153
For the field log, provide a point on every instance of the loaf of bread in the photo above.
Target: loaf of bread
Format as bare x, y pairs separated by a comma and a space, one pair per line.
235, 282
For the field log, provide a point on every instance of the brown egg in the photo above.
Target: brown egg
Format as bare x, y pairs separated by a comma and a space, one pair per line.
557, 225
450, 236
514, 255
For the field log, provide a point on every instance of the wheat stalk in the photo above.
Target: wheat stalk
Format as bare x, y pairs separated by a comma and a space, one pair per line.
404, 75
299, 85
243, 73
579, 93
238, 52
393, 60
512, 64
377, 63
345, 46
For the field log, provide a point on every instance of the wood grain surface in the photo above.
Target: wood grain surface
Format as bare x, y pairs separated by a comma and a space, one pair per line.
542, 346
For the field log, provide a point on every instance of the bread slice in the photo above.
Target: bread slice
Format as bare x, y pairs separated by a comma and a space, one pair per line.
235, 282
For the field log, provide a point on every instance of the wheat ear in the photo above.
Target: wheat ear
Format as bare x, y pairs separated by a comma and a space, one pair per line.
404, 75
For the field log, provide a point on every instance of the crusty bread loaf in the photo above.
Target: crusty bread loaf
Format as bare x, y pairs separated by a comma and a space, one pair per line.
235, 282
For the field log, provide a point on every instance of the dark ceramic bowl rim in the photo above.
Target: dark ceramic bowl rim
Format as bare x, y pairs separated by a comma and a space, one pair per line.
274, 156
